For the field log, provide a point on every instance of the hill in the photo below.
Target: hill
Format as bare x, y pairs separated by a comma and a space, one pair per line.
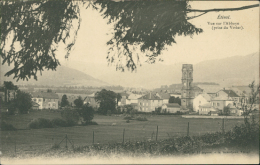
63, 76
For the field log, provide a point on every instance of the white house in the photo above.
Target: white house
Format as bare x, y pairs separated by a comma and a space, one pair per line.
171, 107
133, 98
201, 99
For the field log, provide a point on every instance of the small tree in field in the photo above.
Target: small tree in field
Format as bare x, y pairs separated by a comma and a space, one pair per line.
86, 112
64, 101
78, 102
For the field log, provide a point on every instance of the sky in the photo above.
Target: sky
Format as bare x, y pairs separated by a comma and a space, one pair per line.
91, 46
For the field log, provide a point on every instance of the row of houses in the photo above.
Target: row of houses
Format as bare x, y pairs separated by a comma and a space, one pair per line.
206, 104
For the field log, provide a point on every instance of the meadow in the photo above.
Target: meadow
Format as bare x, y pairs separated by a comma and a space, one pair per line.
109, 130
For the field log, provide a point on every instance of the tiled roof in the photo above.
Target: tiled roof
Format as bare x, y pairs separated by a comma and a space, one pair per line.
206, 96
210, 88
150, 96
124, 94
47, 95
173, 105
134, 96
163, 95
230, 93
221, 98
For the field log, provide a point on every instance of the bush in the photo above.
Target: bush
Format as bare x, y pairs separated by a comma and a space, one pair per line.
86, 112
244, 136
7, 127
90, 123
71, 116
40, 123
57, 122
139, 118
128, 118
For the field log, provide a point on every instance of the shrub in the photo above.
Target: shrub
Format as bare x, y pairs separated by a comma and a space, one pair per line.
139, 118
7, 127
86, 112
55, 146
90, 123
57, 122
244, 136
128, 118
40, 123
71, 116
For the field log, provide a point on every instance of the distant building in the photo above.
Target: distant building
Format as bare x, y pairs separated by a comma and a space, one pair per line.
149, 102
229, 94
133, 98
207, 109
201, 99
165, 96
124, 98
211, 90
171, 107
46, 100
90, 99
221, 101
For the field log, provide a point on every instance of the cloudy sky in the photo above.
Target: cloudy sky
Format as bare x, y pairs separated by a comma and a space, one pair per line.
211, 44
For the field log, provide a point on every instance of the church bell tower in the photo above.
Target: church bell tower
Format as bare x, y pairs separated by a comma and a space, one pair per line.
186, 91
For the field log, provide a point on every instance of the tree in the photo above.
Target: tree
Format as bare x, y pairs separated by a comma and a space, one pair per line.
226, 111
248, 109
118, 98
8, 85
172, 99
107, 101
78, 102
49, 91
64, 101
86, 112
40, 26
23, 101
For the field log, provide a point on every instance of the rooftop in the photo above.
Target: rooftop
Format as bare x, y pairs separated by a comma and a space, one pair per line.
150, 96
230, 93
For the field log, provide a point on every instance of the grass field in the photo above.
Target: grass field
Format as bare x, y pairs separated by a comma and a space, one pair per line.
34, 140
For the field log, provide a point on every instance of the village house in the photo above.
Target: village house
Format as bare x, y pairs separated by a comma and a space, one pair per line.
46, 100
211, 90
90, 99
201, 99
133, 98
165, 96
171, 107
124, 98
230, 94
207, 109
149, 102
221, 101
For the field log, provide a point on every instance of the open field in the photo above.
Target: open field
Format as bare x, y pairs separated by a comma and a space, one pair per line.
26, 140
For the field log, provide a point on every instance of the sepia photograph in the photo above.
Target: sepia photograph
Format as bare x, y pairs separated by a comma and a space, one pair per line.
129, 82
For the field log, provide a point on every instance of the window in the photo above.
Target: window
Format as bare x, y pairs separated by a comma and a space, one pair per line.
217, 104
40, 100
34, 99
199, 102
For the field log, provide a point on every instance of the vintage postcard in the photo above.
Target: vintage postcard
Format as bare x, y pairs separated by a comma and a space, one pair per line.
129, 82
